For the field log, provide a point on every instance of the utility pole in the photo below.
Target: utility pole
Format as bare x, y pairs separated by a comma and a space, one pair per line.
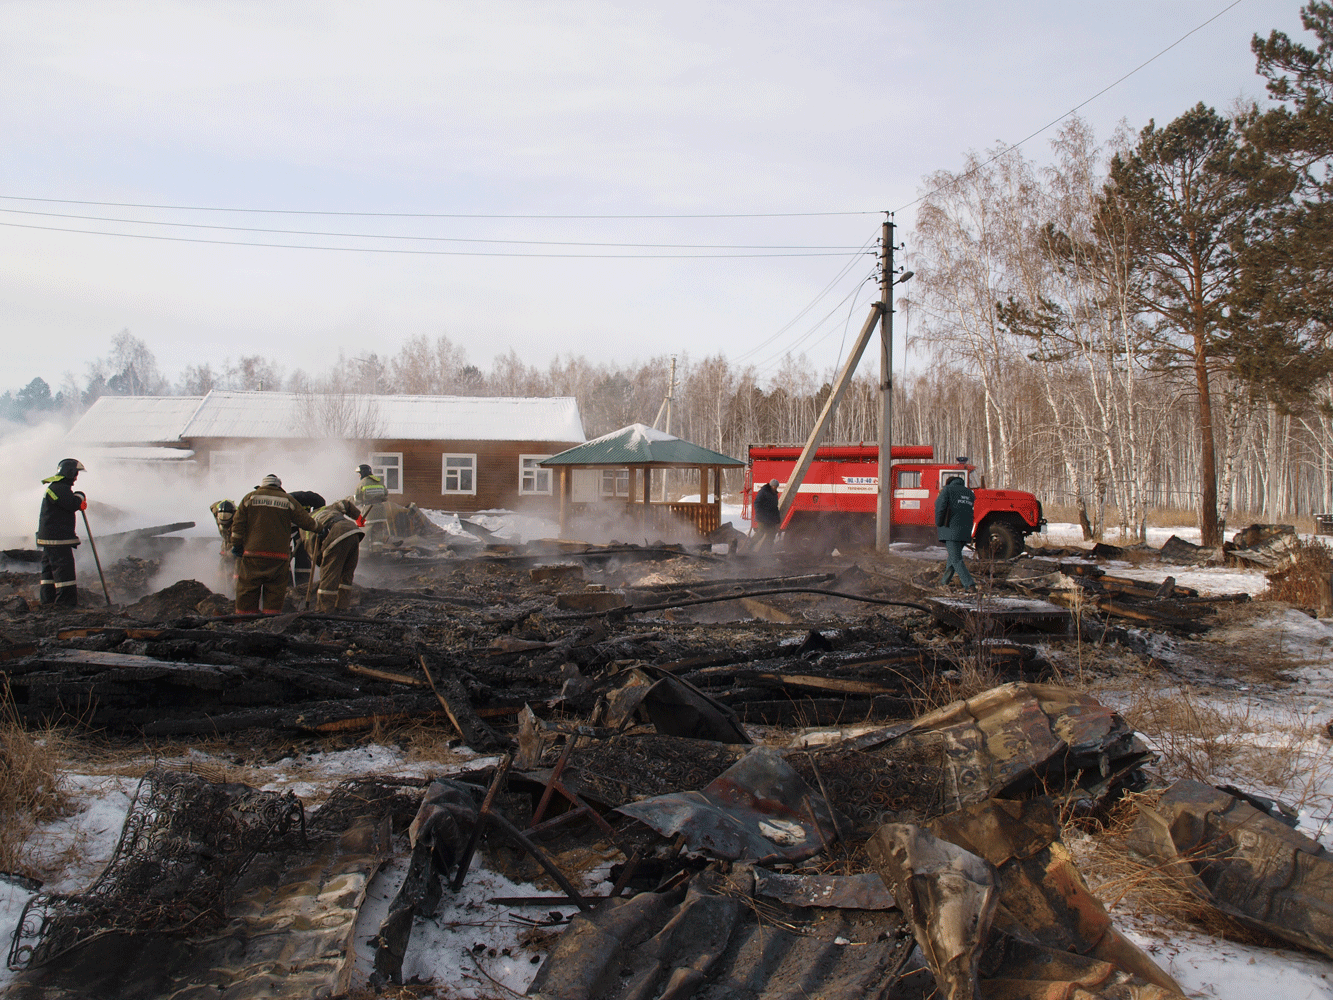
884, 501
671, 394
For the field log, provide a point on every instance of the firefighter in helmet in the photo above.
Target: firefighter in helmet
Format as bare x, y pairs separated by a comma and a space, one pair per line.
56, 536
372, 497
335, 552
261, 533
223, 511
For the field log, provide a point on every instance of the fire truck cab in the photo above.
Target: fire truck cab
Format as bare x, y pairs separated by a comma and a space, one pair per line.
835, 505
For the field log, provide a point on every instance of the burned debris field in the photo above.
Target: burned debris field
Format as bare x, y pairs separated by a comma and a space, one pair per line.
572, 770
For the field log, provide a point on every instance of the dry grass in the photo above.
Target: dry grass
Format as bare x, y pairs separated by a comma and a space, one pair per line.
1306, 583
1218, 740
30, 790
1139, 888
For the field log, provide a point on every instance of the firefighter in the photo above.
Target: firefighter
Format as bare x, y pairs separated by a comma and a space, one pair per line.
56, 536
335, 552
372, 497
223, 512
261, 532
302, 568
767, 516
953, 523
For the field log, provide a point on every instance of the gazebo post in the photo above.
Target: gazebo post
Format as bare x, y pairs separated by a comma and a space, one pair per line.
647, 492
564, 499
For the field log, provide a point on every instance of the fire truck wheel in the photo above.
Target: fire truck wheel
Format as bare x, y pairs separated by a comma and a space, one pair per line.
997, 541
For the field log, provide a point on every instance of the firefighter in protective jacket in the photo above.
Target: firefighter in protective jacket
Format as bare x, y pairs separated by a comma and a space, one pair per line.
261, 533
372, 496
56, 536
335, 552
953, 524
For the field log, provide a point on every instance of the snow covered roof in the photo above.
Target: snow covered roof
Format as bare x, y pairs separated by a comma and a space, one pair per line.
134, 420
140, 453
166, 420
639, 444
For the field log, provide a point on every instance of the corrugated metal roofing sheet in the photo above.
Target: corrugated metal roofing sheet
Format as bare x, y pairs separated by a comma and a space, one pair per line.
134, 420
291, 415
639, 444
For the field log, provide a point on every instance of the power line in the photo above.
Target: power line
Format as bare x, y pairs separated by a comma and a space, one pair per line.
842, 273
427, 253
437, 239
425, 215
1076, 107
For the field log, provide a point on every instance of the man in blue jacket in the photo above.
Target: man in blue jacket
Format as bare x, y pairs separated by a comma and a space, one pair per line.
953, 522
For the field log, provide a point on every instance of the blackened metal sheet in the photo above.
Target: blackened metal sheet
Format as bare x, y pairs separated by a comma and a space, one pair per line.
760, 808
720, 940
1001, 865
1002, 742
615, 771
842, 892
1243, 861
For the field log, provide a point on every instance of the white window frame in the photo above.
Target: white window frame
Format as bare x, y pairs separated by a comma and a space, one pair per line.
379, 468
527, 467
225, 461
617, 476
908, 473
444, 473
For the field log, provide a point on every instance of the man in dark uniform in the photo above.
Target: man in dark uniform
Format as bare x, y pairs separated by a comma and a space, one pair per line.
767, 516
302, 568
56, 536
261, 537
953, 523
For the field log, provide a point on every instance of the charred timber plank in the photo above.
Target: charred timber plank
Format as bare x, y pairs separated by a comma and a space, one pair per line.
767, 612
86, 661
384, 675
454, 700
841, 685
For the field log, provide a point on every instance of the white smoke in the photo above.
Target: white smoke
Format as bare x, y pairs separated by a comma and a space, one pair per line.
130, 495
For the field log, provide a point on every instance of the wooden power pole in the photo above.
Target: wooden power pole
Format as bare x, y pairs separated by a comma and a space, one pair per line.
884, 501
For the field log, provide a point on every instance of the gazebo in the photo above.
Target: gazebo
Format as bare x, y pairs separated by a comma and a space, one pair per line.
641, 449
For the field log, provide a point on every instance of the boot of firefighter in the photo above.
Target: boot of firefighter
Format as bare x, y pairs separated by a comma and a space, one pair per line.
67, 595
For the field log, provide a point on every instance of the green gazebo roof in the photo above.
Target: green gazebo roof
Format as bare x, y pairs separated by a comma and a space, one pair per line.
639, 444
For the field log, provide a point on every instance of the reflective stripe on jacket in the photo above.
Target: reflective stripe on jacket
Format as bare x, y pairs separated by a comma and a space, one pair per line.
55, 523
340, 518
371, 491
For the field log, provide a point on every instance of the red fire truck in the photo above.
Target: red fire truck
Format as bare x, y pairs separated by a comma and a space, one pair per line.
836, 503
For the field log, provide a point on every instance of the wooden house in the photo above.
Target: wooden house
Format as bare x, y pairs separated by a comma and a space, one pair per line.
463, 453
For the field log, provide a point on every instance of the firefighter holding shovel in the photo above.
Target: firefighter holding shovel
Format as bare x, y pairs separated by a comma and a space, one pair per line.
56, 536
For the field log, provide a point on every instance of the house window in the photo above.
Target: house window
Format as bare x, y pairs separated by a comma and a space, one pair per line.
532, 478
388, 465
909, 480
460, 474
615, 482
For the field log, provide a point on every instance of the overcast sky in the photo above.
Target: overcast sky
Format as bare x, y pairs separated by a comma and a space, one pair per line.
525, 109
